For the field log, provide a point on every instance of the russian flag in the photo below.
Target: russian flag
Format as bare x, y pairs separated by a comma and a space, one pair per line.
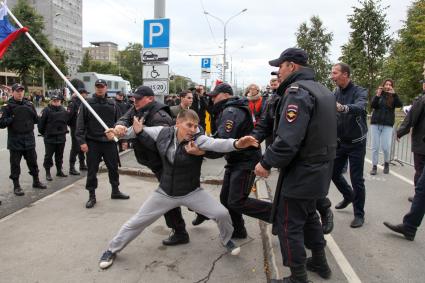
8, 33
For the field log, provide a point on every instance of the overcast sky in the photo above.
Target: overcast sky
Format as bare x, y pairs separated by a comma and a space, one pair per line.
253, 38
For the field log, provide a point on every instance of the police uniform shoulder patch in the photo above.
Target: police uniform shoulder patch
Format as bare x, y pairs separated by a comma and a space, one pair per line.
291, 112
228, 125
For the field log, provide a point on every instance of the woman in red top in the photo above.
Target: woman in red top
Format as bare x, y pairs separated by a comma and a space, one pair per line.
256, 102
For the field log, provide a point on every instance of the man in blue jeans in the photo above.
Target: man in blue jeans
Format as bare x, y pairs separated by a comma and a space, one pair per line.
351, 102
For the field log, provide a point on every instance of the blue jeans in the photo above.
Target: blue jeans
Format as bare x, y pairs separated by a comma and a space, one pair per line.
412, 220
355, 153
381, 137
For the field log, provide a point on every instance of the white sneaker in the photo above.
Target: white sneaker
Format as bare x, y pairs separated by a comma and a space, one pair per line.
107, 259
232, 248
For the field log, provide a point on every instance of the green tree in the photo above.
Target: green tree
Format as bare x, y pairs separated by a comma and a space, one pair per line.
316, 42
85, 63
407, 56
59, 57
368, 44
23, 56
130, 59
180, 83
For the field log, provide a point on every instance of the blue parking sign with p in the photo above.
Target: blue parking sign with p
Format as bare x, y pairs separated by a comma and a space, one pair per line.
206, 63
156, 33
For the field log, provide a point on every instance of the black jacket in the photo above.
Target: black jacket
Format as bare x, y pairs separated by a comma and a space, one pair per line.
19, 118
155, 114
199, 105
415, 119
264, 127
233, 120
305, 143
352, 125
53, 124
88, 128
123, 106
72, 109
183, 175
382, 114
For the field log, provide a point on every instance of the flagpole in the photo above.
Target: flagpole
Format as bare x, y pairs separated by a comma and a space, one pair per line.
58, 71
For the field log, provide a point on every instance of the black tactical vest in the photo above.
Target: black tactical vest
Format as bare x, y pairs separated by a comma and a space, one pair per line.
105, 108
183, 176
23, 118
320, 142
250, 155
56, 123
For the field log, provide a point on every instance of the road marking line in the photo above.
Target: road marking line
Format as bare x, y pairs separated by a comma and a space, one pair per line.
410, 182
36, 202
341, 260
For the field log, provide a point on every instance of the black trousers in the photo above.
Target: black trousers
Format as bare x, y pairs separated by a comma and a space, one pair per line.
56, 149
109, 152
413, 219
355, 153
75, 150
30, 156
419, 162
298, 226
173, 218
322, 205
234, 196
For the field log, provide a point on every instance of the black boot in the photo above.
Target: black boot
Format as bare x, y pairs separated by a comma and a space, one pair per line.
72, 170
116, 194
239, 233
318, 263
48, 175
60, 173
401, 229
374, 170
37, 184
343, 204
176, 238
199, 219
92, 199
298, 275
17, 188
386, 168
327, 221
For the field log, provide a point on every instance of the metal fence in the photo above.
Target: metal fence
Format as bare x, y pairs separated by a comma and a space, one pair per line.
401, 151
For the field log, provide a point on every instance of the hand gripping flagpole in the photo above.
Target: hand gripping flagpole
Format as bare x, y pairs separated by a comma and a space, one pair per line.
59, 71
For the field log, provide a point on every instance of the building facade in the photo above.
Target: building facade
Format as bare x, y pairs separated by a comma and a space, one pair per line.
63, 26
103, 51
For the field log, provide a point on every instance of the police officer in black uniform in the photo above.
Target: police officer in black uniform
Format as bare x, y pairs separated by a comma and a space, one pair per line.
233, 120
154, 114
92, 139
53, 125
304, 149
19, 117
72, 109
124, 106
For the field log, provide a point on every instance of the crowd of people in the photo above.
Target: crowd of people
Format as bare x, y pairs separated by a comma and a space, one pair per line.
310, 133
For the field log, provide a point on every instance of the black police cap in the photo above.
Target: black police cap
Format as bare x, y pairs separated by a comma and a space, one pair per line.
17, 86
221, 88
143, 91
296, 55
100, 82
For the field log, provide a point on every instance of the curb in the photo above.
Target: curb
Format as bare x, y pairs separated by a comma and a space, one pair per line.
270, 266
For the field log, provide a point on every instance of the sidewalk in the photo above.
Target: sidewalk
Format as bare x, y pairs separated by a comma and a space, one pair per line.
58, 240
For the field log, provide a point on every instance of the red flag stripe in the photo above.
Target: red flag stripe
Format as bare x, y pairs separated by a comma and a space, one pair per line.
9, 39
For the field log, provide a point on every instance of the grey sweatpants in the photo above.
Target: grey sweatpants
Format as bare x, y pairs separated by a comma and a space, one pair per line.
159, 203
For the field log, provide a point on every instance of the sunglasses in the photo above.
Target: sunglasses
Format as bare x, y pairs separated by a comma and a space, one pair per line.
100, 86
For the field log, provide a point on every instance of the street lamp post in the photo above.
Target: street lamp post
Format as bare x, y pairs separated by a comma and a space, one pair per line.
224, 36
